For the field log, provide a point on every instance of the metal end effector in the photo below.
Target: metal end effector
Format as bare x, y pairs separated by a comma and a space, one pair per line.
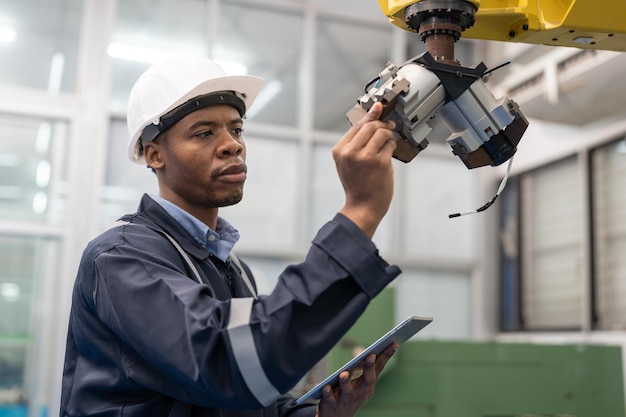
431, 95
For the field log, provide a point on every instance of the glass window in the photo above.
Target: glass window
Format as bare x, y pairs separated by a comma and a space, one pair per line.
552, 236
327, 197
442, 295
609, 185
27, 270
33, 178
39, 44
269, 44
431, 189
146, 32
125, 181
266, 216
348, 55
265, 271
510, 318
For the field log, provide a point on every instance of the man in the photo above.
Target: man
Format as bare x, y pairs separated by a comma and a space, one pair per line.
165, 321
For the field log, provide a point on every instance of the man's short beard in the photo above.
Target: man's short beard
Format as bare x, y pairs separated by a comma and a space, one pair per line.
230, 201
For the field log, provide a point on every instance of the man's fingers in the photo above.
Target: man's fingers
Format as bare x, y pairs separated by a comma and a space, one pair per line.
327, 394
384, 357
369, 369
374, 113
345, 384
369, 130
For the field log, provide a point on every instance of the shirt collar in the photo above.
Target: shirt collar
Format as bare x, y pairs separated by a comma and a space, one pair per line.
219, 242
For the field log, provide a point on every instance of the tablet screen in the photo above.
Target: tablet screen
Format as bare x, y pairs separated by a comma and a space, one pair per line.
399, 334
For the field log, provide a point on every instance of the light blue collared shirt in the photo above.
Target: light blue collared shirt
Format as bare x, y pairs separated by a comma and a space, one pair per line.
219, 242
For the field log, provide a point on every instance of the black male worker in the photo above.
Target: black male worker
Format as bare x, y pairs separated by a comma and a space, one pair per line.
165, 320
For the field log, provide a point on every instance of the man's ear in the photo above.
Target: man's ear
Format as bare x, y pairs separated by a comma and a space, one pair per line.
152, 155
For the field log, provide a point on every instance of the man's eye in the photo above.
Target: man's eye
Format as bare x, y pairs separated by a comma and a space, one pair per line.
238, 131
204, 134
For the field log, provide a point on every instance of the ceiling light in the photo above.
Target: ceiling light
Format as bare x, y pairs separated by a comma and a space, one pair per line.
7, 35
267, 94
136, 53
232, 68
42, 175
151, 55
144, 54
56, 73
44, 135
40, 202
10, 291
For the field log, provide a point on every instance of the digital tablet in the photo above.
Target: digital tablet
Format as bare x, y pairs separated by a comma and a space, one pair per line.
399, 334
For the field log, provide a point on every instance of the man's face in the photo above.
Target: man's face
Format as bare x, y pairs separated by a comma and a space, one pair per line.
202, 159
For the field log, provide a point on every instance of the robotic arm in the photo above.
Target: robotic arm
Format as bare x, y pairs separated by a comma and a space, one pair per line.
424, 93
433, 91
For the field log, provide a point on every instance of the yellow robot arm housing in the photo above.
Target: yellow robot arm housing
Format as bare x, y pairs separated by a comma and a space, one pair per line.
587, 24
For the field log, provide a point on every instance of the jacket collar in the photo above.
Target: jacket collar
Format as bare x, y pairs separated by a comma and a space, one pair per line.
161, 220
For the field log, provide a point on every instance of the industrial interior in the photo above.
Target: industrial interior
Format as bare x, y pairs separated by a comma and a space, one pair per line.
509, 215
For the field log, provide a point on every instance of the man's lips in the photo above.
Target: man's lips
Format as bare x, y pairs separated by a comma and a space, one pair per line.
233, 173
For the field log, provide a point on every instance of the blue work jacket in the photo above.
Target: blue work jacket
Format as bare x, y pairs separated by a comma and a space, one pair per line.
146, 338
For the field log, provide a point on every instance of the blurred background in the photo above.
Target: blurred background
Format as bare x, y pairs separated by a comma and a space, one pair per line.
543, 266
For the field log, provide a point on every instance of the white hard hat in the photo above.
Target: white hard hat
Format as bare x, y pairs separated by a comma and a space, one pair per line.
169, 84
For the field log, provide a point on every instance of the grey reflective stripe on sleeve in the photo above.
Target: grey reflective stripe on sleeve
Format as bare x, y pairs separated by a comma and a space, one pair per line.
245, 352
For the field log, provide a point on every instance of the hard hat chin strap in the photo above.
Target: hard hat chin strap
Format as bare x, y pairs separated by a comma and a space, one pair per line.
169, 119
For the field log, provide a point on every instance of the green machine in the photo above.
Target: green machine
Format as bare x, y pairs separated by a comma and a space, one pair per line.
475, 379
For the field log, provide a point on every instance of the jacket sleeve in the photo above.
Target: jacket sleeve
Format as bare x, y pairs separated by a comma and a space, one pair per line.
287, 408
244, 353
